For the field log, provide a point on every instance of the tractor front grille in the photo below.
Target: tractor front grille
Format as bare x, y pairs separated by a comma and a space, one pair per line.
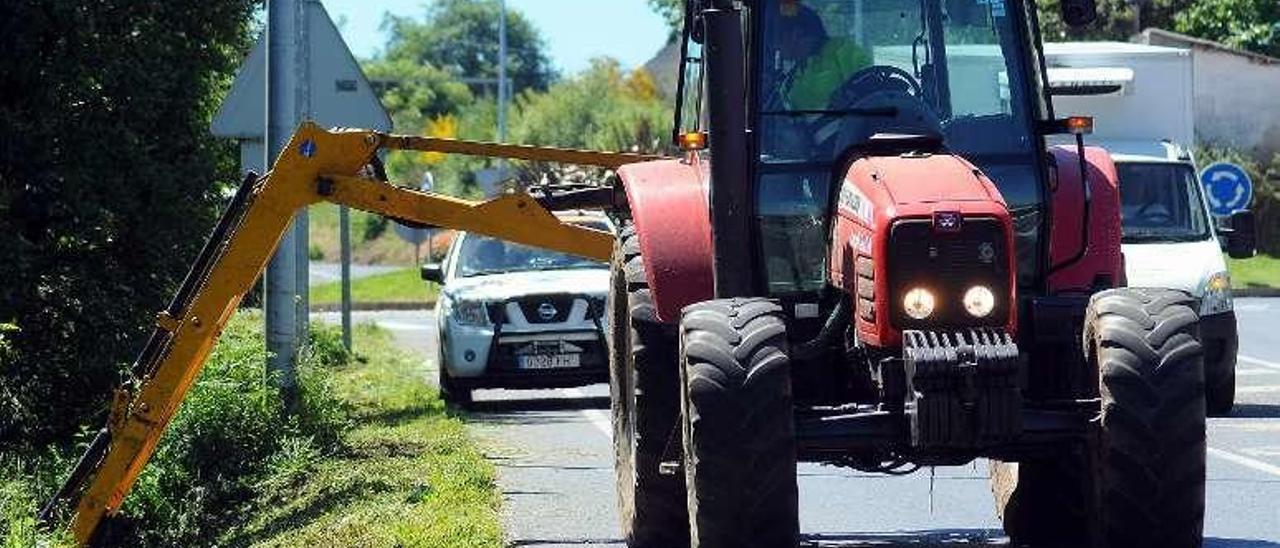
948, 264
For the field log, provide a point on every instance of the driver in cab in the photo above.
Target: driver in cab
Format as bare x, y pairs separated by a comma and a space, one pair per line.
810, 63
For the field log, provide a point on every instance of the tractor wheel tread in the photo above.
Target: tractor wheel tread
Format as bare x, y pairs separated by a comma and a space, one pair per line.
1153, 419
739, 439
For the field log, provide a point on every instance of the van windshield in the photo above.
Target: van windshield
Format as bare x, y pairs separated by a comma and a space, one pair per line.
1160, 202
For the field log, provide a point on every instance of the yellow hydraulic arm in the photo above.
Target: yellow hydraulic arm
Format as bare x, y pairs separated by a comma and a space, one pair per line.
317, 166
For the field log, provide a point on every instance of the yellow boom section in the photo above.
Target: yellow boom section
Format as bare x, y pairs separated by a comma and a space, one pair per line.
316, 166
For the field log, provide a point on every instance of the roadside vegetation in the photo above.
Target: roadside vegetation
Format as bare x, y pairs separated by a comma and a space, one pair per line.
1262, 271
399, 286
367, 457
407, 474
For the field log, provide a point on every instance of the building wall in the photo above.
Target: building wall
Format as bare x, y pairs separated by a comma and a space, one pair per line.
1237, 102
1237, 95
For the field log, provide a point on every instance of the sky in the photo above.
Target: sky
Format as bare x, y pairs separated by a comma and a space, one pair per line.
575, 30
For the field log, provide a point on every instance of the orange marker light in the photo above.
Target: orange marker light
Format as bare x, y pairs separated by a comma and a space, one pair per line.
694, 140
1080, 125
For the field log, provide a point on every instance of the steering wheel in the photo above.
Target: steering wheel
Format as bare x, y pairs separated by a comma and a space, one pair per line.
1154, 217
875, 78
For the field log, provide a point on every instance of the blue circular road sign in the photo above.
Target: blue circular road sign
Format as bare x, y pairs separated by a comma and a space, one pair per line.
1227, 187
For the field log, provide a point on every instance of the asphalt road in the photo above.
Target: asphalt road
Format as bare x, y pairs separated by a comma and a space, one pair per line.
554, 458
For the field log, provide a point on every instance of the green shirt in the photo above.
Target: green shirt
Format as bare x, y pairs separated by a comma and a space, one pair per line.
823, 73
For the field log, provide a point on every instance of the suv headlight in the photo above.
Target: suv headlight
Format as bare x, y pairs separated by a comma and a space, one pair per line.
1216, 293
471, 313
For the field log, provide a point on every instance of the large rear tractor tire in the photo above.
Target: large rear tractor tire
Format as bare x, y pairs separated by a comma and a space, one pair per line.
1140, 483
739, 430
644, 385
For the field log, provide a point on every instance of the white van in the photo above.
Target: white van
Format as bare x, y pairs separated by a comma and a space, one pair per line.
1141, 97
1170, 240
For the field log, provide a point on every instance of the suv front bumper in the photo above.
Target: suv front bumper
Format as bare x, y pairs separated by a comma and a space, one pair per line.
489, 356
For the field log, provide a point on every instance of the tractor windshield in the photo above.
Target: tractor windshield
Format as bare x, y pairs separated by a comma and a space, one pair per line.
832, 73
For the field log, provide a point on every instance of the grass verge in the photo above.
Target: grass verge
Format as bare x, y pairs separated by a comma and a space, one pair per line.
398, 286
368, 457
385, 248
408, 474
1262, 271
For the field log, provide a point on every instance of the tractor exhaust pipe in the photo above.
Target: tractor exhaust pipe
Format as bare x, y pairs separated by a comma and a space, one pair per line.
732, 190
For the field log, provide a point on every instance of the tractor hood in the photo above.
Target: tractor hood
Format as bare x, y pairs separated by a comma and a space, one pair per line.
923, 179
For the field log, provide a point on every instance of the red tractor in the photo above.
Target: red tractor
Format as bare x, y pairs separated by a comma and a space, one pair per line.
878, 263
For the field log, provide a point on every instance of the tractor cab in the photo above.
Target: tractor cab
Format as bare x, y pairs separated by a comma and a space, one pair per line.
827, 80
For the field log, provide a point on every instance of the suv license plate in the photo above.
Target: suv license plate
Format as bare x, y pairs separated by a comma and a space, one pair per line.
549, 361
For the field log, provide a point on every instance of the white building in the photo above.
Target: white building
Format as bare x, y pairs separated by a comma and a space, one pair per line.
1237, 93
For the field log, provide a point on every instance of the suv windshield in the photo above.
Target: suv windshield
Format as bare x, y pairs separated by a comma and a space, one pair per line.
832, 73
1160, 202
482, 255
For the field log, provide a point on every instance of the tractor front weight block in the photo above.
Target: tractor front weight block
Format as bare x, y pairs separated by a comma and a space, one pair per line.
962, 389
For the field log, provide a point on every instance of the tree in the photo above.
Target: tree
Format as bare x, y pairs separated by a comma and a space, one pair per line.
109, 182
1252, 25
422, 77
604, 108
1115, 19
673, 12
461, 38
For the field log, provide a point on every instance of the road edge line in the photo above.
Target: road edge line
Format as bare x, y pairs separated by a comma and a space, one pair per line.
597, 417
1258, 362
1247, 462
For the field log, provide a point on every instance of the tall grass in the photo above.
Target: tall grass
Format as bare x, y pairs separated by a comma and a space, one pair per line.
229, 438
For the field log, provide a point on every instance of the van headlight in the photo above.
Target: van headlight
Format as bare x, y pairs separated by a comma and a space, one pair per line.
1216, 295
472, 313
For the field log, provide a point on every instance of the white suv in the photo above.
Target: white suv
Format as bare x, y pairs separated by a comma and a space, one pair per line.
514, 316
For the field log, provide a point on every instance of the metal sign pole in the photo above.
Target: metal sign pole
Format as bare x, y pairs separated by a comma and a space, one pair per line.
502, 71
281, 303
344, 235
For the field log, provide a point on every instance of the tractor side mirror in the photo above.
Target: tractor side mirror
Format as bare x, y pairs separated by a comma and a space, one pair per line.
1240, 236
1078, 13
433, 272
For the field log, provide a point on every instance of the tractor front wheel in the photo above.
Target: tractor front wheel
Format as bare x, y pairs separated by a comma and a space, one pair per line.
739, 434
1146, 345
1140, 480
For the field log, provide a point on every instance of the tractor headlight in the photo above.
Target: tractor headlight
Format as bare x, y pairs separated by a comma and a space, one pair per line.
1216, 296
470, 313
979, 301
918, 303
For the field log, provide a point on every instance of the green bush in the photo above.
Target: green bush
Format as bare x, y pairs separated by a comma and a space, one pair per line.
109, 180
315, 253
372, 226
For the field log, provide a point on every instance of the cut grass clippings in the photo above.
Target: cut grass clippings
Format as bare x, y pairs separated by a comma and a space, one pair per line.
1260, 272
408, 474
399, 286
